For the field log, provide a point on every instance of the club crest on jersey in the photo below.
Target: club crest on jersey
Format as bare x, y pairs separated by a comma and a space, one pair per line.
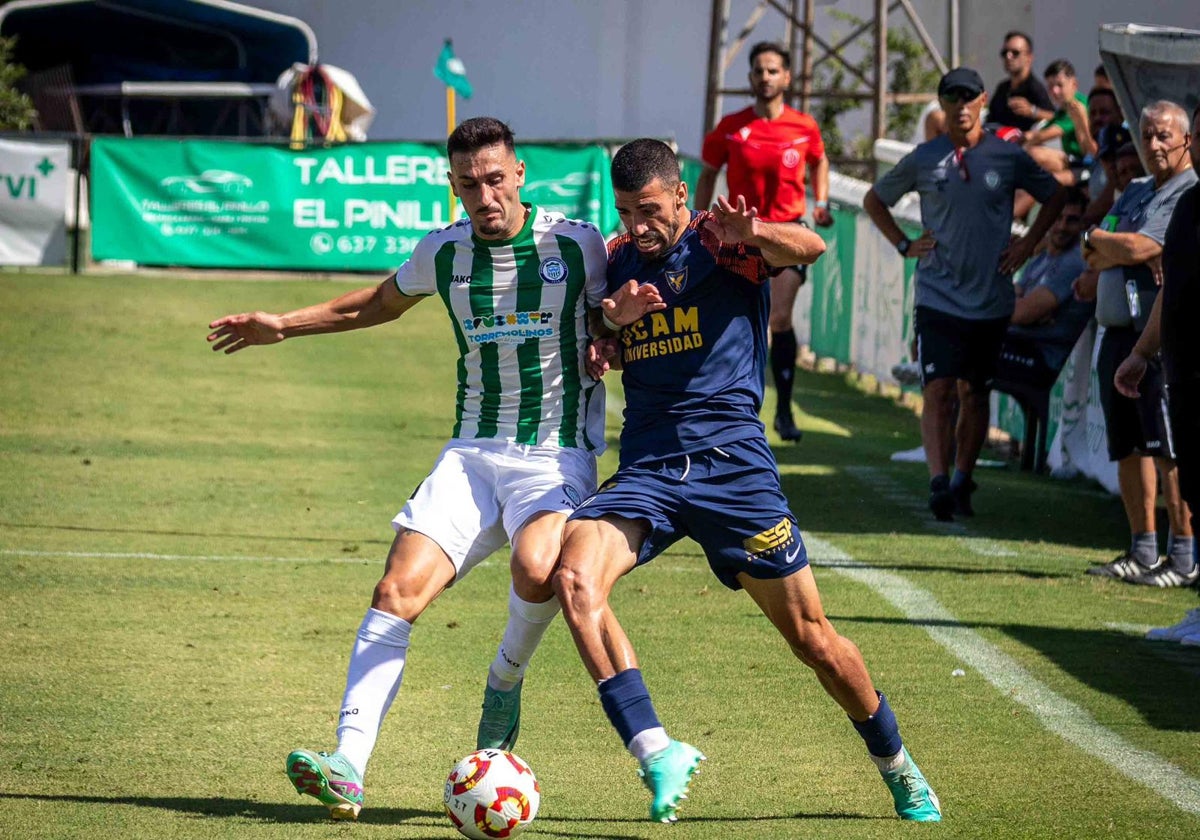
992, 179
677, 279
553, 270
791, 158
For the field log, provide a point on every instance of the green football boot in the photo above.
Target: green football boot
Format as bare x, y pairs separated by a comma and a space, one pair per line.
667, 774
914, 798
330, 779
501, 719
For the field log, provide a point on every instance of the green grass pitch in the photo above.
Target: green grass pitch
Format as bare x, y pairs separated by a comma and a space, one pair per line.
188, 542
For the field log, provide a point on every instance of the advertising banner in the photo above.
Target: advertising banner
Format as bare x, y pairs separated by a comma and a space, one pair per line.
360, 207
832, 278
33, 202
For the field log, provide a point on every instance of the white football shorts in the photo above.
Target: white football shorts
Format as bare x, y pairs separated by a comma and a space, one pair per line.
480, 493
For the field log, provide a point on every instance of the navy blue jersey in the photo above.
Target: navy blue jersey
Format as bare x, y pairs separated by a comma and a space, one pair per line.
693, 373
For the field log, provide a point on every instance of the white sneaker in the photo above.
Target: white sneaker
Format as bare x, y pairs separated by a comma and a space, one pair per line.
1190, 626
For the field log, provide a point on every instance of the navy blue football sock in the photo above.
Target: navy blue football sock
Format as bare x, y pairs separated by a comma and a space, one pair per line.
627, 704
880, 731
783, 367
959, 479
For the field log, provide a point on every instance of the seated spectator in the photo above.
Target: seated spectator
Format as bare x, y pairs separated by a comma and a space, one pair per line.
1124, 165
1068, 125
1048, 320
1020, 101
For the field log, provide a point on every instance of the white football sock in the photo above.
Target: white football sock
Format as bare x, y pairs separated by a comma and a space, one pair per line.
648, 742
527, 623
888, 764
372, 680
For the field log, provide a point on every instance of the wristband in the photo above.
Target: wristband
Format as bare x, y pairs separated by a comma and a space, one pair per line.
903, 245
604, 317
824, 205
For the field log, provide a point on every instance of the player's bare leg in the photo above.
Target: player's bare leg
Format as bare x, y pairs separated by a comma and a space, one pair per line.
596, 553
417, 571
793, 605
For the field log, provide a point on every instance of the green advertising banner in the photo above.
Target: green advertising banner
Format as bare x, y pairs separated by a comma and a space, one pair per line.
832, 277
359, 207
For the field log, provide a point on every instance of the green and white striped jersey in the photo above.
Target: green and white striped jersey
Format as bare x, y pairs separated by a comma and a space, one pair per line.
518, 309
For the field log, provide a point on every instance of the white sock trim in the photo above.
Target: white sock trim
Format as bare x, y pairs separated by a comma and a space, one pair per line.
649, 741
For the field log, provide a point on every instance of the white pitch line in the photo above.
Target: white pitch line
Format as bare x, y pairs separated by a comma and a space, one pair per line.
1059, 715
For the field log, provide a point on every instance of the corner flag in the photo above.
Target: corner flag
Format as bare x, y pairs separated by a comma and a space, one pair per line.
452, 72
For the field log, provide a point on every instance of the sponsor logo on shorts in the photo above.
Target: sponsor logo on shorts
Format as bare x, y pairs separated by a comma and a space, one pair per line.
773, 539
553, 270
572, 495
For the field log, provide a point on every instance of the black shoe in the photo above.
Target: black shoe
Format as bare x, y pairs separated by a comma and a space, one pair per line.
962, 498
787, 429
941, 498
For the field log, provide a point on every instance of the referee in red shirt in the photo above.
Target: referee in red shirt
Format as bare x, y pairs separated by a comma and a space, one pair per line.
766, 150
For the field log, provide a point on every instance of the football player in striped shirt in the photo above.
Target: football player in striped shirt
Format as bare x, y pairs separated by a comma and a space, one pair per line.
517, 282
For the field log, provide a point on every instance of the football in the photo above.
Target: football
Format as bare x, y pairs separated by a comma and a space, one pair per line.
491, 793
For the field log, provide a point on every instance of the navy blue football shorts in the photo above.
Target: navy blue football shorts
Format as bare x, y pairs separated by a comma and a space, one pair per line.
727, 499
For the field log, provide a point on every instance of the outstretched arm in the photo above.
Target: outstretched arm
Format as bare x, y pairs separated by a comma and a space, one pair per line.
780, 243
355, 310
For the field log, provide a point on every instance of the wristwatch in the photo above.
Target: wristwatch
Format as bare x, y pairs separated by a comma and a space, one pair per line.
1087, 238
903, 245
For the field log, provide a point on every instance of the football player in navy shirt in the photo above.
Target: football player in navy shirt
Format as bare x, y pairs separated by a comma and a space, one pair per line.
695, 463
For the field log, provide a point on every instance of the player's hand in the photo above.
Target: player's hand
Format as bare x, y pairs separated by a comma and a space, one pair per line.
732, 223
1129, 375
1020, 106
237, 332
822, 216
599, 353
631, 302
1016, 255
1084, 286
921, 246
1155, 266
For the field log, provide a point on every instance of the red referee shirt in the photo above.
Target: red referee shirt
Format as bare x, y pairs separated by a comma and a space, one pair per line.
765, 159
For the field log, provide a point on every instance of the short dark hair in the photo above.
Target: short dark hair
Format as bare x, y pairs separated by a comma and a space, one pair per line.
770, 46
1017, 33
1076, 195
639, 162
1100, 70
1104, 91
478, 133
1060, 65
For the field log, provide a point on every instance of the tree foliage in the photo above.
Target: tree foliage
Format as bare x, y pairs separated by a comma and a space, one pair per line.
909, 71
16, 109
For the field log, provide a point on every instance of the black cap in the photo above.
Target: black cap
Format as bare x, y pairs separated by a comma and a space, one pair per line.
961, 78
1112, 138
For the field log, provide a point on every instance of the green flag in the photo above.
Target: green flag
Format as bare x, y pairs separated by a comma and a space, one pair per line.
450, 70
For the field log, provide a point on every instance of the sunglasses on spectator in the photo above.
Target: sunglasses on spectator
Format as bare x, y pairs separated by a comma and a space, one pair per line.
1006, 53
957, 95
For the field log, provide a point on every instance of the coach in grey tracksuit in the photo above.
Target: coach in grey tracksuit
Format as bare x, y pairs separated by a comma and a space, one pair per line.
964, 298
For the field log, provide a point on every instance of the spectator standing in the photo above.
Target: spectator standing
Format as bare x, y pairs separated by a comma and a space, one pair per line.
964, 296
1140, 436
765, 149
1021, 100
1171, 327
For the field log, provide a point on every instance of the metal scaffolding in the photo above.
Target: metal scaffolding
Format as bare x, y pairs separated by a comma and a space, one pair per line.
809, 50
